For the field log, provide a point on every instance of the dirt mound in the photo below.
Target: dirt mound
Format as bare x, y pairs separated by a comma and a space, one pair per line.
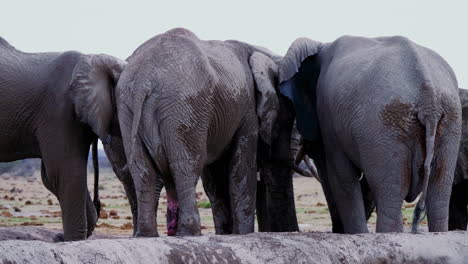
272, 248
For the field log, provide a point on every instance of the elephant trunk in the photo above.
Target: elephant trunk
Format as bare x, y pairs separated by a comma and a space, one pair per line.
275, 200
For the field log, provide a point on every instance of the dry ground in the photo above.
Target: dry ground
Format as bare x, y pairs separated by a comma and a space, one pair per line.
25, 202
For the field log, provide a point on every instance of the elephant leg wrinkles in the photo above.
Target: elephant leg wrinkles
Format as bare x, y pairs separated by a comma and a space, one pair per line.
388, 179
243, 179
66, 178
344, 180
441, 178
148, 188
186, 174
216, 185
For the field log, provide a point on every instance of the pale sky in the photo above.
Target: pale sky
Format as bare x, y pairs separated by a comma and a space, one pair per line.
117, 28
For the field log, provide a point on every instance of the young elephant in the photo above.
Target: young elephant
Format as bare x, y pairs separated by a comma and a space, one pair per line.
190, 109
42, 116
385, 107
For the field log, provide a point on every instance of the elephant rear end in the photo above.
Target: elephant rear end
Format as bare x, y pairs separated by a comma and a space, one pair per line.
186, 108
387, 108
412, 112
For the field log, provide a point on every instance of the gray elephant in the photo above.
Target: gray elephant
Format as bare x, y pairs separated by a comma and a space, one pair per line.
385, 107
458, 213
191, 109
43, 116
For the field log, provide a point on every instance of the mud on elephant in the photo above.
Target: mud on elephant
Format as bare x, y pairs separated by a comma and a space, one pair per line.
191, 109
384, 107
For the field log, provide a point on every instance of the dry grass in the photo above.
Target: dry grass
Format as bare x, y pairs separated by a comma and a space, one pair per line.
25, 201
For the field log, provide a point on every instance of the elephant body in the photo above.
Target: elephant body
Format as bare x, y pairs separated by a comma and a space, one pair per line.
385, 107
458, 213
39, 120
191, 109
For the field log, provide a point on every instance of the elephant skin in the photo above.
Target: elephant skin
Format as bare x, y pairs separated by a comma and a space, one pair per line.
191, 109
458, 214
385, 107
42, 116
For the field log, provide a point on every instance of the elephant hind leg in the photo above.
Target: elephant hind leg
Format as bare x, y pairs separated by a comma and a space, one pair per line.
389, 174
148, 186
344, 181
441, 178
243, 179
186, 173
216, 185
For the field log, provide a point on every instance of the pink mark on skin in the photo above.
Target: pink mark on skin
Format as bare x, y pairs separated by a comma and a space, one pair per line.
172, 212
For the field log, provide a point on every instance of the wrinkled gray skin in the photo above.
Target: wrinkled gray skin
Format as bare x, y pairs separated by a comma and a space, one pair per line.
191, 109
386, 107
458, 213
41, 117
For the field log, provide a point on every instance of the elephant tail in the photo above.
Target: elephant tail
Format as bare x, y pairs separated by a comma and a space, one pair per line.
139, 99
430, 127
96, 201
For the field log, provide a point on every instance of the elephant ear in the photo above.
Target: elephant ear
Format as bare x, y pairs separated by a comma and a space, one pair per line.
92, 88
265, 73
298, 74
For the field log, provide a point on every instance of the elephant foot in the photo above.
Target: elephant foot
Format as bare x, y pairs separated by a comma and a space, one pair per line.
59, 238
183, 234
188, 225
89, 233
190, 230
141, 233
145, 235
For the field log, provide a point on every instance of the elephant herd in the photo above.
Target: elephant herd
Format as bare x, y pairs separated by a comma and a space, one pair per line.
380, 117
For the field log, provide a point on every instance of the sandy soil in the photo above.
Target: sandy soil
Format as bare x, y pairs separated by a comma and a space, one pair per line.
26, 202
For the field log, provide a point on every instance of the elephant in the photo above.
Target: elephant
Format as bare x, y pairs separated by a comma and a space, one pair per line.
189, 109
458, 214
43, 116
386, 108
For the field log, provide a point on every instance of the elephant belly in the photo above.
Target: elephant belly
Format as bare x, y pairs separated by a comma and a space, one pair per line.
12, 149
